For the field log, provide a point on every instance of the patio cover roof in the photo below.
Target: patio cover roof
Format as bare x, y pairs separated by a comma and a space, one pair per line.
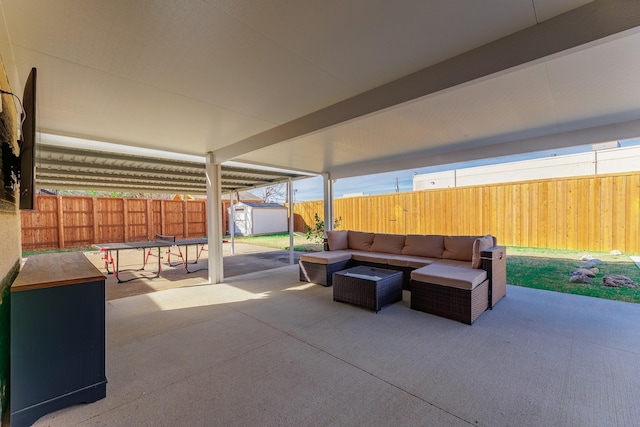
72, 167
345, 88
342, 88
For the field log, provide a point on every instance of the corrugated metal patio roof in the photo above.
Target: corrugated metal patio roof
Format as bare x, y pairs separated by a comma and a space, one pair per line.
76, 168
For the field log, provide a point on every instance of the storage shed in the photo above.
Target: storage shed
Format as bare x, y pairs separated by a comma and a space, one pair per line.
255, 218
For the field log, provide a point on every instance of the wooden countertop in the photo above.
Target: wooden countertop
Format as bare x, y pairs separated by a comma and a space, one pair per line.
57, 269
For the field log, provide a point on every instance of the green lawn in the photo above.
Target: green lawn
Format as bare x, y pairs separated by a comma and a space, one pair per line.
281, 241
549, 269
53, 251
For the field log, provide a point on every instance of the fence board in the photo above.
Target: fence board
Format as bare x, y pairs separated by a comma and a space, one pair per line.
560, 213
173, 219
197, 213
606, 214
619, 211
40, 226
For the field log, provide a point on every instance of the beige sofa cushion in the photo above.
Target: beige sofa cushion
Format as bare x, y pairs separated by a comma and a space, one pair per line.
459, 247
446, 275
337, 240
388, 243
454, 262
330, 257
410, 261
376, 257
430, 246
479, 245
359, 240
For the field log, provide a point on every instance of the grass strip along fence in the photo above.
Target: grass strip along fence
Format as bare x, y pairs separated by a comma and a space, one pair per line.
549, 270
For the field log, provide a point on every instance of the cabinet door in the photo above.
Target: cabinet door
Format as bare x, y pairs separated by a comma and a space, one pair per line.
57, 342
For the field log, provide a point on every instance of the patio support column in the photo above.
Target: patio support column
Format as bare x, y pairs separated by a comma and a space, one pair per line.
290, 197
328, 203
214, 211
232, 225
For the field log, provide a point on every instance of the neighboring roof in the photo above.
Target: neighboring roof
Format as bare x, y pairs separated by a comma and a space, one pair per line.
243, 195
262, 205
332, 86
84, 169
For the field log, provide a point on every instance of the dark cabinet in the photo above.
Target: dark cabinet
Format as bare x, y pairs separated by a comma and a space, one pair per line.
57, 336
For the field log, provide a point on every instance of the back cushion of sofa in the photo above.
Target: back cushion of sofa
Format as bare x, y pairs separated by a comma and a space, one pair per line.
359, 240
479, 245
388, 243
429, 246
459, 247
337, 240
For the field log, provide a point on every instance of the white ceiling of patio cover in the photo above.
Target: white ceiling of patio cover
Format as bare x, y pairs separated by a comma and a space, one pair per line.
204, 76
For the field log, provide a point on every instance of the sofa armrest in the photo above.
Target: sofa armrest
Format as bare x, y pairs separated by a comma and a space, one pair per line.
494, 261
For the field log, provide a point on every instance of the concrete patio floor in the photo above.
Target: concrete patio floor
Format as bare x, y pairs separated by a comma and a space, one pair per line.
245, 259
265, 349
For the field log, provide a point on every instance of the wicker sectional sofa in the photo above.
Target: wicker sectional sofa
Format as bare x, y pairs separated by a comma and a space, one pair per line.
458, 277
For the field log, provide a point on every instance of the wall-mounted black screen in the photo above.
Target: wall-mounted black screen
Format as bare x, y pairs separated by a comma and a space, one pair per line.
28, 144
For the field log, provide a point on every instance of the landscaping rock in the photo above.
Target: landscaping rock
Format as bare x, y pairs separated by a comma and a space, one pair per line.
583, 271
618, 280
586, 258
592, 263
615, 252
579, 278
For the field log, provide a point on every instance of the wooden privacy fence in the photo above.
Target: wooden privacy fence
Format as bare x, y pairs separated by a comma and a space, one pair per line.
596, 213
66, 222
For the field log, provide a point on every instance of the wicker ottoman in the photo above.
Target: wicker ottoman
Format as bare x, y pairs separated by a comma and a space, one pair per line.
457, 293
319, 267
367, 287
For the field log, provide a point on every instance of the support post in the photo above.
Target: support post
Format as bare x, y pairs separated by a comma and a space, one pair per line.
232, 222
290, 197
214, 227
328, 204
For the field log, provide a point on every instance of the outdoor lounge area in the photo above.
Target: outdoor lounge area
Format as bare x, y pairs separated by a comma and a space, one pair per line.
210, 99
265, 349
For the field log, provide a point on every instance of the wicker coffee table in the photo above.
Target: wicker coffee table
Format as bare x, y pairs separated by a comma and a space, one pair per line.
368, 287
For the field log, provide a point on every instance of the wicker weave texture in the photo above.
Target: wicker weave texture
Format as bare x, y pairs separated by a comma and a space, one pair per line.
320, 274
368, 292
457, 304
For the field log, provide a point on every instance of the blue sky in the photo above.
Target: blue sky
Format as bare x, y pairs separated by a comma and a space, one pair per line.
311, 188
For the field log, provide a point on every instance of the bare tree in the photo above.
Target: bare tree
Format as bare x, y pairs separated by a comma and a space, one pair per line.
273, 193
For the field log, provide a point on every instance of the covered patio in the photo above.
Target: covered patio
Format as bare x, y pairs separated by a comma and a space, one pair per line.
341, 89
266, 349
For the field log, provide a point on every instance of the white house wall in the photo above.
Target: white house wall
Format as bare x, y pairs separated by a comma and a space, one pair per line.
617, 160
552, 167
626, 159
434, 180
